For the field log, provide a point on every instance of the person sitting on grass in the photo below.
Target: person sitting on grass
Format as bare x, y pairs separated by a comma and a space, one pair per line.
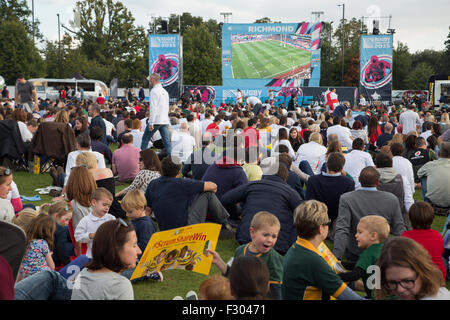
371, 233
38, 255
421, 215
111, 255
264, 230
134, 204
408, 273
101, 200
178, 202
306, 274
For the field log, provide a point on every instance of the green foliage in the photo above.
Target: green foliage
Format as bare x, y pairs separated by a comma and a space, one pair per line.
202, 57
417, 79
19, 10
111, 42
402, 61
17, 52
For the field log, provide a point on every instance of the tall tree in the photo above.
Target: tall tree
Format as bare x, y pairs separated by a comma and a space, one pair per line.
446, 56
109, 37
401, 66
263, 20
18, 53
18, 9
202, 57
418, 78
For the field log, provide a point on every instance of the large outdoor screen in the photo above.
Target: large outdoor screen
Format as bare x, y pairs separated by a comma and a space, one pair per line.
271, 54
274, 56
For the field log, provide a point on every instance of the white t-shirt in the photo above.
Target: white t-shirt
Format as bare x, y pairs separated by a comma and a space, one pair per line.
183, 145
6, 211
311, 152
253, 101
355, 161
109, 127
24, 132
409, 119
137, 137
87, 225
442, 294
343, 135
72, 157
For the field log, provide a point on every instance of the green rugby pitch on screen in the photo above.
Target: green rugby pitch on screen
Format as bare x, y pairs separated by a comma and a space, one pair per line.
268, 59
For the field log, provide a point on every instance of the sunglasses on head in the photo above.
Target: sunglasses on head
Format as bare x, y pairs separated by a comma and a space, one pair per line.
7, 172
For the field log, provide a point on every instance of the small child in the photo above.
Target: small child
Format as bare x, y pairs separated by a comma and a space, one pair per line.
38, 255
215, 287
61, 212
24, 218
371, 232
421, 215
264, 229
101, 200
134, 204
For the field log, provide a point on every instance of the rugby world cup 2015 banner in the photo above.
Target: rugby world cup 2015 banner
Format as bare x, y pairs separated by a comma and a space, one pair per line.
164, 59
376, 67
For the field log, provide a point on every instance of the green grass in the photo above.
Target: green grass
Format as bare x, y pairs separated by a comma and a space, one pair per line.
176, 282
265, 59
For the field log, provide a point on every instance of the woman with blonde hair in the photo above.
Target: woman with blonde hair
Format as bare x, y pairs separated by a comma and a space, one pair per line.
445, 122
397, 138
103, 177
407, 272
306, 274
62, 116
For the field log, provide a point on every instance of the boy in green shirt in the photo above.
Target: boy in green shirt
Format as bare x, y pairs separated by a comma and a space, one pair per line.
371, 232
264, 230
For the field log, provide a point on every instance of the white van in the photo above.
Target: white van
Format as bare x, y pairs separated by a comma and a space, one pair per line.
49, 88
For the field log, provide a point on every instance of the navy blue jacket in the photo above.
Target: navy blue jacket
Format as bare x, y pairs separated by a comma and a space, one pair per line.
198, 169
226, 174
340, 111
328, 189
270, 194
144, 227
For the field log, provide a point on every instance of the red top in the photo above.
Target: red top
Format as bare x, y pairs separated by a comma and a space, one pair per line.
251, 136
432, 241
373, 135
100, 100
213, 128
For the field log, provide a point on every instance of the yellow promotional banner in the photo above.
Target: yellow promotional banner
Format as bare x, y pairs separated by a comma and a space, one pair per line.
330, 258
181, 248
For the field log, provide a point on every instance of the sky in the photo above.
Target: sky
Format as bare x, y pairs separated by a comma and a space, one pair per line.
418, 23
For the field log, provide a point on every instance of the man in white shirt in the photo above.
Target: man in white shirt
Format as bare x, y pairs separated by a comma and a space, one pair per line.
404, 167
311, 152
209, 118
83, 145
357, 160
255, 104
427, 133
183, 143
109, 128
344, 134
159, 114
409, 120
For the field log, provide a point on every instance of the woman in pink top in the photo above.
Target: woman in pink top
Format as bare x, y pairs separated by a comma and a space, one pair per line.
421, 215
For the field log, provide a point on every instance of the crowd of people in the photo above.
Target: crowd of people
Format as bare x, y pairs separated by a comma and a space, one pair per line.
280, 182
